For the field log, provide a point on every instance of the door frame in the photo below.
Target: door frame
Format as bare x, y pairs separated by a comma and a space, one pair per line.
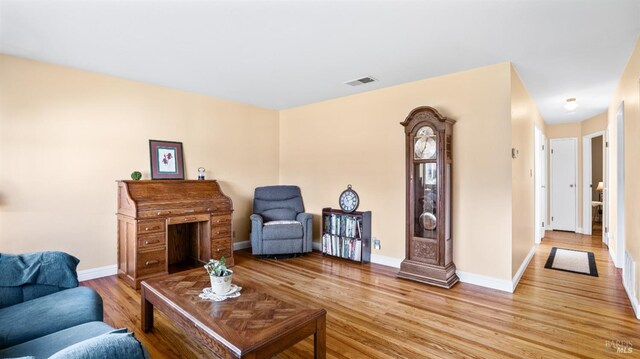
575, 178
605, 191
587, 165
540, 154
620, 184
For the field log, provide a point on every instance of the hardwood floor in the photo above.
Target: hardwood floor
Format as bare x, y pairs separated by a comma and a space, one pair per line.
371, 314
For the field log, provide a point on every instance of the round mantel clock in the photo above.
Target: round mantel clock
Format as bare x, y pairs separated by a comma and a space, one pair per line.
349, 200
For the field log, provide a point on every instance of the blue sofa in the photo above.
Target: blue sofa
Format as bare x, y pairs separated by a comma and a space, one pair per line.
44, 314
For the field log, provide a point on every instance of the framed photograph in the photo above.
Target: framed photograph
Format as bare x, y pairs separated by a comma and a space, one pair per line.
166, 160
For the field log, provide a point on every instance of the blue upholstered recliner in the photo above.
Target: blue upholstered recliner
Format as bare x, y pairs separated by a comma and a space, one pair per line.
279, 224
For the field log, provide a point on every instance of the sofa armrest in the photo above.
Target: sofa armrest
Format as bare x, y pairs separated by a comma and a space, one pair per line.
256, 233
306, 219
48, 314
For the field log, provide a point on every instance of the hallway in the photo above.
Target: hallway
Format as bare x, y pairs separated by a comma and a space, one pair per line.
600, 302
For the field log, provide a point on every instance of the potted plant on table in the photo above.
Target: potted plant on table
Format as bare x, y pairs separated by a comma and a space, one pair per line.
220, 275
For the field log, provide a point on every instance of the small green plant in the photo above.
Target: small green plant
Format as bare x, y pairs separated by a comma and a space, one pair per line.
135, 175
217, 268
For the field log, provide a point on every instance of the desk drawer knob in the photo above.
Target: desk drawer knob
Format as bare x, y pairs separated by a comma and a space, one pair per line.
149, 263
151, 228
150, 242
189, 218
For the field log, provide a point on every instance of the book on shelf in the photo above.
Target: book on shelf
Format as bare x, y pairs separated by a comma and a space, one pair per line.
343, 225
344, 247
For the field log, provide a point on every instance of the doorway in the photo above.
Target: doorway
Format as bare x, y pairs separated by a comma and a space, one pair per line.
593, 183
564, 153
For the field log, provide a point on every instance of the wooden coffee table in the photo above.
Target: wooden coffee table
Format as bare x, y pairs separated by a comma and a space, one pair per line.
254, 325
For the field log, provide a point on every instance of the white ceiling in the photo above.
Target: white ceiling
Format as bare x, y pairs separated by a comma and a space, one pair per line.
282, 54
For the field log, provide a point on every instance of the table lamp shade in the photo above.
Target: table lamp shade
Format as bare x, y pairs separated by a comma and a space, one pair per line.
600, 186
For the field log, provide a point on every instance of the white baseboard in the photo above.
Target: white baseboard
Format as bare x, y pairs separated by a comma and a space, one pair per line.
633, 300
613, 257
579, 230
386, 261
316, 246
241, 245
99, 272
523, 267
504, 285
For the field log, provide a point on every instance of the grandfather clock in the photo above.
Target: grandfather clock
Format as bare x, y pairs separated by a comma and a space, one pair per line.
429, 250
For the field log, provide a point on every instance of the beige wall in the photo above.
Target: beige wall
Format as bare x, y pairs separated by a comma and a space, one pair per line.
524, 117
358, 140
576, 130
628, 90
66, 135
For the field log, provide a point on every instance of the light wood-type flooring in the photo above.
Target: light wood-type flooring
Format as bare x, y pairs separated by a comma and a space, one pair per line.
371, 314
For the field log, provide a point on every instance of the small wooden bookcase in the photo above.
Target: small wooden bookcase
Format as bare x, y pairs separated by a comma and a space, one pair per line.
346, 235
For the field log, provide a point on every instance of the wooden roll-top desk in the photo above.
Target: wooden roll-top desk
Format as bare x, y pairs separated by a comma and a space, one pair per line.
166, 226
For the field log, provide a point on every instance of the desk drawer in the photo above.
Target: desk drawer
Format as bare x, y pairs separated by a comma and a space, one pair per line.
176, 211
151, 262
188, 218
219, 232
221, 248
221, 220
151, 226
151, 240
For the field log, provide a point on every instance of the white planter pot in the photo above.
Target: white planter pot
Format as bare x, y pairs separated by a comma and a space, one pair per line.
221, 285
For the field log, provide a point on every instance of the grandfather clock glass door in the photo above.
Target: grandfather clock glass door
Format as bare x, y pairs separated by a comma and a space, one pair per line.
425, 191
429, 251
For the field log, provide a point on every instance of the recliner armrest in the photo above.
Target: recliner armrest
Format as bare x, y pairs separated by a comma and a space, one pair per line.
306, 219
257, 218
301, 217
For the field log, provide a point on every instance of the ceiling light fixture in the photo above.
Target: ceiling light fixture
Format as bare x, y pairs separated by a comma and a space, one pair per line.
571, 104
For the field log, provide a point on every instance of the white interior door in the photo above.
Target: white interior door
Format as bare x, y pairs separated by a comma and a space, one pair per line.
563, 184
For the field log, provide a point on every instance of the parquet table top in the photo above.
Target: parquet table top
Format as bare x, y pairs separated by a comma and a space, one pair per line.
238, 326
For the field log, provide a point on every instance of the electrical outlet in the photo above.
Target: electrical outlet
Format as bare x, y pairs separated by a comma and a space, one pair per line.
376, 243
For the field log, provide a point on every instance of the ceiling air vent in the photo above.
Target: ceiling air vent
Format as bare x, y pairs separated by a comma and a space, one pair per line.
362, 81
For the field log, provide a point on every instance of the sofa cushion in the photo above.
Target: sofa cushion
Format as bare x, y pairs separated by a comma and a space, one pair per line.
114, 345
10, 296
45, 315
48, 345
50, 268
282, 231
279, 214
